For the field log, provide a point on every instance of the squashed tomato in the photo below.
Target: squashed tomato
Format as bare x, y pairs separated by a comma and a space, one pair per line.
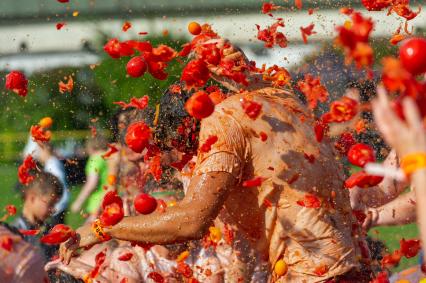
137, 136
58, 234
360, 154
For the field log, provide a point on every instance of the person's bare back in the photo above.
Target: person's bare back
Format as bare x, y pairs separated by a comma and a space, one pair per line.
316, 243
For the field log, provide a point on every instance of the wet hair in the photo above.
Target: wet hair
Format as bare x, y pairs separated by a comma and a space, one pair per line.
175, 126
44, 184
131, 115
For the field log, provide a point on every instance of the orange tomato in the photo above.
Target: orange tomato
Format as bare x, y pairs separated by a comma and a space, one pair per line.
46, 122
280, 267
194, 28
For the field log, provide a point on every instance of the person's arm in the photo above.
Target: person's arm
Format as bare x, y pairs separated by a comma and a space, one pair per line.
407, 137
188, 220
90, 185
379, 195
400, 211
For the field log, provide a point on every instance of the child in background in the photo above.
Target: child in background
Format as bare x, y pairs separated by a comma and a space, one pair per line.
96, 177
40, 197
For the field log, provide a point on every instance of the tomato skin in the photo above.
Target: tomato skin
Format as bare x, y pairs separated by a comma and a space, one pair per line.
194, 28
136, 67
413, 55
145, 204
360, 154
199, 105
137, 136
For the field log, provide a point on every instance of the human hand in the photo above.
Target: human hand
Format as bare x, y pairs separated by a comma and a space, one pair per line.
84, 238
404, 136
371, 220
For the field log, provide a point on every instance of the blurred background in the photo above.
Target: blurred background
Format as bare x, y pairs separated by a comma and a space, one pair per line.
30, 42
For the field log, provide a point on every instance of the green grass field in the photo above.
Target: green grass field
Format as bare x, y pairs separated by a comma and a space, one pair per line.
389, 235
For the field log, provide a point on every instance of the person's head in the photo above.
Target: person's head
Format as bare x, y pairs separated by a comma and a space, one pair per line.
175, 128
41, 195
96, 144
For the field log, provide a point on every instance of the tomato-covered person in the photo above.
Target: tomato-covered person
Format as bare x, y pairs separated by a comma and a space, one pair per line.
280, 187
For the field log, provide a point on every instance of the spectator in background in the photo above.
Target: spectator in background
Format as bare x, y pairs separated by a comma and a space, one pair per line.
44, 154
20, 261
52, 165
96, 176
40, 197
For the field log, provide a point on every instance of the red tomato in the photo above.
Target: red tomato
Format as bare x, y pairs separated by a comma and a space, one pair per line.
137, 136
145, 204
199, 105
413, 56
360, 154
409, 248
136, 67
112, 214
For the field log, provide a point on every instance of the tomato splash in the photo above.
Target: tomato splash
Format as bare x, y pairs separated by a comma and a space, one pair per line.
309, 201
17, 82
58, 234
313, 90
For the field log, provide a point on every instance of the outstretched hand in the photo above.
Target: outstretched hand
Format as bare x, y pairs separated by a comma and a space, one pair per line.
404, 136
84, 238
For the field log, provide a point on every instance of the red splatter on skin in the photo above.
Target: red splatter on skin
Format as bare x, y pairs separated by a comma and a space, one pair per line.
180, 164
360, 154
29, 232
112, 206
137, 136
313, 90
309, 157
321, 270
263, 136
307, 31
58, 234
126, 26
139, 103
60, 25
156, 277
112, 149
199, 105
23, 171
145, 204
271, 36
66, 87
99, 260
17, 82
125, 257
363, 180
267, 203
251, 108
309, 201
228, 234
255, 182
207, 145
320, 128
6, 243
